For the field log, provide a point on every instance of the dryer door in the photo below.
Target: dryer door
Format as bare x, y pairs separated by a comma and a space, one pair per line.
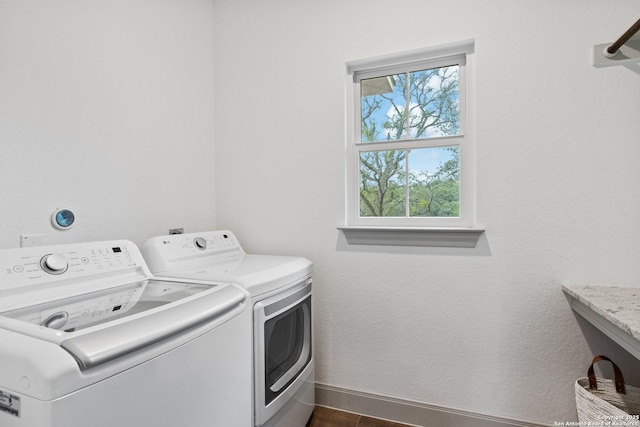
284, 348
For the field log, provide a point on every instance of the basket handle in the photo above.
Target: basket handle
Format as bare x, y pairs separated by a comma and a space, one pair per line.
617, 375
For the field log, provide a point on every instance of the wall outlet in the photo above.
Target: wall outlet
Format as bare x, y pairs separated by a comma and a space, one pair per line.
28, 240
176, 230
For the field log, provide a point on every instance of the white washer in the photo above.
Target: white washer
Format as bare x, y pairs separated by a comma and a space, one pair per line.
90, 338
280, 288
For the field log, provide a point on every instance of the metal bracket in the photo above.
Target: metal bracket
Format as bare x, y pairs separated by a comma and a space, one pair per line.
629, 53
625, 50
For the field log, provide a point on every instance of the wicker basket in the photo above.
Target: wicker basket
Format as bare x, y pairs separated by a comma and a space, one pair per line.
605, 402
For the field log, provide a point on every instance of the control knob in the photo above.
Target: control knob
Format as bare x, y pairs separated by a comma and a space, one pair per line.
54, 264
56, 320
200, 242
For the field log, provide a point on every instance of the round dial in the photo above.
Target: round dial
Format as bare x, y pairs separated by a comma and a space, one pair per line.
200, 242
54, 264
56, 320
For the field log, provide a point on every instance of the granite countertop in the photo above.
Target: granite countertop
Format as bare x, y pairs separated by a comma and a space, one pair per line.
613, 310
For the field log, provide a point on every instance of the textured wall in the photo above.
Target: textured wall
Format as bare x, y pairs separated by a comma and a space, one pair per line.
105, 107
487, 329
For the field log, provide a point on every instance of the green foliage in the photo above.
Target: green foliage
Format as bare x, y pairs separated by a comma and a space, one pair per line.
438, 194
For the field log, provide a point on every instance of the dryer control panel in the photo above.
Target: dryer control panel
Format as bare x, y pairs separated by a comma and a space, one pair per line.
190, 250
48, 264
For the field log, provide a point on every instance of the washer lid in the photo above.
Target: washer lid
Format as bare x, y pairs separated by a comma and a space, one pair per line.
100, 326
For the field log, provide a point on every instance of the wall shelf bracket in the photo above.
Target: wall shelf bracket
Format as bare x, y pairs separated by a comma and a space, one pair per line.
624, 51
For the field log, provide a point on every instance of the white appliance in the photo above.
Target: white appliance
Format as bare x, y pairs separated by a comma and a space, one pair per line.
280, 288
90, 338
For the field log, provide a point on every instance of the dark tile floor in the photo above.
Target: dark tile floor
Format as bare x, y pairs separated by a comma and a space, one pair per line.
327, 417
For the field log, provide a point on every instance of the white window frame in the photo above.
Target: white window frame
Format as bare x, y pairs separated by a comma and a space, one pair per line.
431, 231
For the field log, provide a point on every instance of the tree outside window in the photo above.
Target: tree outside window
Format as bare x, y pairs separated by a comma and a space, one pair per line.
417, 110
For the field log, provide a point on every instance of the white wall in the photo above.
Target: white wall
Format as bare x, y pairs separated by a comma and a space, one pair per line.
106, 107
487, 329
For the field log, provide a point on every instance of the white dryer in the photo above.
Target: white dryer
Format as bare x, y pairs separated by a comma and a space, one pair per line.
90, 338
280, 288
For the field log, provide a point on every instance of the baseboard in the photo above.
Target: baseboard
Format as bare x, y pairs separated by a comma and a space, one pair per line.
409, 412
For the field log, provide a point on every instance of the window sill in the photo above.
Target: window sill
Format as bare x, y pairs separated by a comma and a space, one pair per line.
396, 236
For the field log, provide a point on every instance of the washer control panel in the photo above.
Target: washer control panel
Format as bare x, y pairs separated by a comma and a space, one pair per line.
42, 264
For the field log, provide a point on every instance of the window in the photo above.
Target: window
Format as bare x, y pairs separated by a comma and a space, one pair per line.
409, 146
